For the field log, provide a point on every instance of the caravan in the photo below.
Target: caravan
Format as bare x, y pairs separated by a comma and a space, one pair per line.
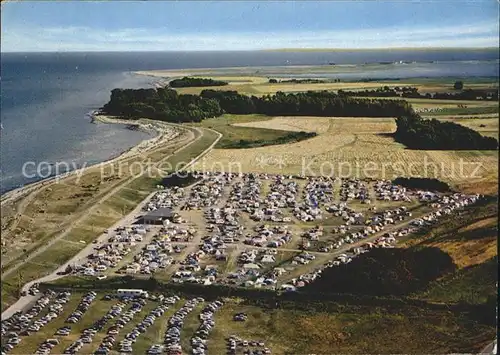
131, 293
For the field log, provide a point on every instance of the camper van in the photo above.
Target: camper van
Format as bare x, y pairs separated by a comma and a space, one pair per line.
131, 293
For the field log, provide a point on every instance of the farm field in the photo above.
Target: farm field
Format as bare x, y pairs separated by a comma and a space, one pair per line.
487, 125
237, 131
315, 124
255, 80
273, 330
471, 109
354, 147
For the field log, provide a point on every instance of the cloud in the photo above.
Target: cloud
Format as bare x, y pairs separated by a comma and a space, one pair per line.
131, 39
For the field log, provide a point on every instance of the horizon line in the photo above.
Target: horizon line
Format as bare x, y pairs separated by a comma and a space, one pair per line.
326, 49
379, 48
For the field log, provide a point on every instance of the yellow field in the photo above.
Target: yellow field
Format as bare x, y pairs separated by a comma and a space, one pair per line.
254, 85
314, 124
446, 88
353, 147
260, 86
485, 126
290, 87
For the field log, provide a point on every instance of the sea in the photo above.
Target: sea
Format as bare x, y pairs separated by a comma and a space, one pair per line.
46, 98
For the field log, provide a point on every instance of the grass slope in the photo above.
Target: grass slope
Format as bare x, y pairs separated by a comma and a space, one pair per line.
471, 240
473, 284
469, 237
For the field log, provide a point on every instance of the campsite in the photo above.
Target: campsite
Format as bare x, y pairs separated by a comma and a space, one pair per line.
225, 229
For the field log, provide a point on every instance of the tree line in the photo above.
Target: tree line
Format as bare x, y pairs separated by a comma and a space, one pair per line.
428, 184
412, 92
432, 134
195, 82
162, 104
167, 105
310, 103
300, 81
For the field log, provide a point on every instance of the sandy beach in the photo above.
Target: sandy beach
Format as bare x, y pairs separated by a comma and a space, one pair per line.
158, 130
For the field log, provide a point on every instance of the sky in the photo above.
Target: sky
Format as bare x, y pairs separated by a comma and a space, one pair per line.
246, 25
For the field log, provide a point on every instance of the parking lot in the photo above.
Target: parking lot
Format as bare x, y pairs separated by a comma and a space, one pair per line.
264, 231
100, 323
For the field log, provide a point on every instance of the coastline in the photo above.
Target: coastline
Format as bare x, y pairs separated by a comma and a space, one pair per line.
345, 71
96, 118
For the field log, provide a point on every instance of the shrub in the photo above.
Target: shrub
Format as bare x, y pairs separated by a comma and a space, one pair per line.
385, 272
422, 183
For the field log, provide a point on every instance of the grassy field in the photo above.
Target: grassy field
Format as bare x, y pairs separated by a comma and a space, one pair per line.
262, 87
92, 223
472, 284
238, 132
443, 105
358, 147
318, 124
478, 110
470, 238
372, 332
96, 310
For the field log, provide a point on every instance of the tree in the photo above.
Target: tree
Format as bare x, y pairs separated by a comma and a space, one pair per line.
418, 133
459, 85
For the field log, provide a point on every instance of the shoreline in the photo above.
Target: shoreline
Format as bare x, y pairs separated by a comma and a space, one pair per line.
96, 118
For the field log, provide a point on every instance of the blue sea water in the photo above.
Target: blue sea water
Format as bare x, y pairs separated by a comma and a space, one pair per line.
45, 96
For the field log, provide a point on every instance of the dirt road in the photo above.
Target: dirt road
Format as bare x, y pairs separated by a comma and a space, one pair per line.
490, 349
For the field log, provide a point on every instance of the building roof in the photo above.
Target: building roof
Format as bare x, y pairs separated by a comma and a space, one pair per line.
159, 213
251, 266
